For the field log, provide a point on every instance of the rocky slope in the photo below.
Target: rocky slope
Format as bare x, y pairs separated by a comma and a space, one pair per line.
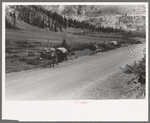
129, 17
124, 16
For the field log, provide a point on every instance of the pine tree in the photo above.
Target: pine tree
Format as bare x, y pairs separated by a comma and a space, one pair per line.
55, 28
64, 44
34, 18
49, 25
43, 23
14, 16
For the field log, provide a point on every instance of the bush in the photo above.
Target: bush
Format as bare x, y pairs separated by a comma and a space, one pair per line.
118, 45
9, 50
85, 46
79, 47
23, 59
8, 24
31, 54
137, 68
37, 58
33, 62
13, 56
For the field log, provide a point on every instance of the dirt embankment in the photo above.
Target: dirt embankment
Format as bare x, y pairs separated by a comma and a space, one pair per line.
122, 86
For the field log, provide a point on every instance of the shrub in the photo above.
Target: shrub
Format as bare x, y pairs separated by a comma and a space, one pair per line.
33, 62
78, 47
137, 68
31, 54
23, 59
8, 24
9, 50
37, 58
118, 45
15, 56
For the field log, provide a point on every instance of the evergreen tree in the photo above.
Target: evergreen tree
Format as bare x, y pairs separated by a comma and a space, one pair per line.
48, 14
43, 23
55, 26
64, 44
14, 16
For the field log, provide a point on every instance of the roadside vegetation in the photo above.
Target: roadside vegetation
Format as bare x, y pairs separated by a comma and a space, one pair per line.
137, 84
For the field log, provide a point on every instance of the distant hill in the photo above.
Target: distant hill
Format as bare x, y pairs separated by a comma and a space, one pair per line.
116, 16
94, 10
127, 17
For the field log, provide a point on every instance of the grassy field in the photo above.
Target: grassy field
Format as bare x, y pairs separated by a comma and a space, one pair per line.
24, 44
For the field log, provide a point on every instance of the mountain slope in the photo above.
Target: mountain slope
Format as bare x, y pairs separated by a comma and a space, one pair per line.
127, 17
116, 16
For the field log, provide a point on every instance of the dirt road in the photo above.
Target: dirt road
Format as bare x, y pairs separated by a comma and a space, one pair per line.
71, 80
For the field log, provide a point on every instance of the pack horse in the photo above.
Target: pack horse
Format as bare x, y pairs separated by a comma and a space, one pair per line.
93, 48
49, 55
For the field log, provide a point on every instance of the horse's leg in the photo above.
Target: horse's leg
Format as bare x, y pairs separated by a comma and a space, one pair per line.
61, 58
70, 55
49, 63
44, 63
57, 60
66, 57
54, 62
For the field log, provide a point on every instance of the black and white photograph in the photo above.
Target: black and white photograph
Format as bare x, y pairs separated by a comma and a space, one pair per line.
77, 53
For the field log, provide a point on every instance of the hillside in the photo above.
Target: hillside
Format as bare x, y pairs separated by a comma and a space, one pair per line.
115, 16
56, 17
96, 10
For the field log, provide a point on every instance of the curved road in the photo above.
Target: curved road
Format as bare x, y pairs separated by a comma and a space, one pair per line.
72, 79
